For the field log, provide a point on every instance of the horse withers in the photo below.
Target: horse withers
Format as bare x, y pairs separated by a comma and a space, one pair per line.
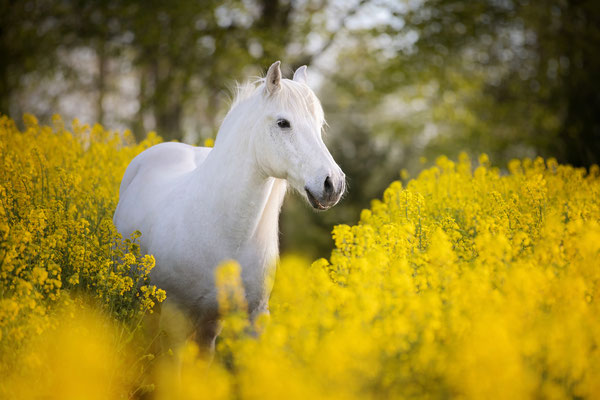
197, 207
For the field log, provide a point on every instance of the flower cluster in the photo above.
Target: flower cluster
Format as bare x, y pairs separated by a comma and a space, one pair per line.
58, 192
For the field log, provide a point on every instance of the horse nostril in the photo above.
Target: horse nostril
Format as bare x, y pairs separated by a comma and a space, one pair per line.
328, 186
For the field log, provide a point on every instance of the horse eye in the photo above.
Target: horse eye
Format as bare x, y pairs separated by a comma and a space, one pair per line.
283, 123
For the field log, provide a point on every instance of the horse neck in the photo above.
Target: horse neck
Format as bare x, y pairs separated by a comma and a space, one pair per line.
245, 202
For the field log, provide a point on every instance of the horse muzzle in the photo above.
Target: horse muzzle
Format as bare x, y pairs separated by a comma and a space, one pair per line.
330, 194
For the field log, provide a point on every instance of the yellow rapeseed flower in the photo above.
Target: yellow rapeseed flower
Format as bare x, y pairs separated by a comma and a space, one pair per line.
467, 281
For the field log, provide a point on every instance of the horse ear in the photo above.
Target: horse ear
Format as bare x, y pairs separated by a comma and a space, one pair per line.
300, 75
273, 79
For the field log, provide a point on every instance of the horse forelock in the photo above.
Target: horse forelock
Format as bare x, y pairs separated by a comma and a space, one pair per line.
245, 90
293, 95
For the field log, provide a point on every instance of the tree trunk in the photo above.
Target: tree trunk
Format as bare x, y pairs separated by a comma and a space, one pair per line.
5, 91
580, 133
167, 99
168, 122
101, 82
138, 128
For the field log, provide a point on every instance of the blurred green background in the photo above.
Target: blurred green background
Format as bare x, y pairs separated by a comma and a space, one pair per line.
401, 82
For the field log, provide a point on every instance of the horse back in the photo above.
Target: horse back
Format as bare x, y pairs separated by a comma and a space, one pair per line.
149, 177
163, 160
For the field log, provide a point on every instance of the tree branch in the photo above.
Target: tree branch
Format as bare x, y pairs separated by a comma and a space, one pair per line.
308, 59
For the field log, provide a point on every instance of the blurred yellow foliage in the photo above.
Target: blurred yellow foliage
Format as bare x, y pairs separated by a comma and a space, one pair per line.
468, 282
75, 359
210, 142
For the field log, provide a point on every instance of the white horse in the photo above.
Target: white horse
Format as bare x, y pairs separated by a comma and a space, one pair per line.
197, 206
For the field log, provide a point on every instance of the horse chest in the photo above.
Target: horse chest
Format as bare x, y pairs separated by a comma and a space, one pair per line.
186, 268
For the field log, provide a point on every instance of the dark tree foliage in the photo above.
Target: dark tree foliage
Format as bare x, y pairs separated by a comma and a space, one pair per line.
526, 70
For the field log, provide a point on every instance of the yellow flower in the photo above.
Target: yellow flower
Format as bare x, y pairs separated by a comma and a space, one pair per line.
462, 282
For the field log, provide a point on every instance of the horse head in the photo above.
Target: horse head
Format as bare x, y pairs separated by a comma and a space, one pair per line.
289, 143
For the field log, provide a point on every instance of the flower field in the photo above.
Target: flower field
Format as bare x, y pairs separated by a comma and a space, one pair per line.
468, 281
